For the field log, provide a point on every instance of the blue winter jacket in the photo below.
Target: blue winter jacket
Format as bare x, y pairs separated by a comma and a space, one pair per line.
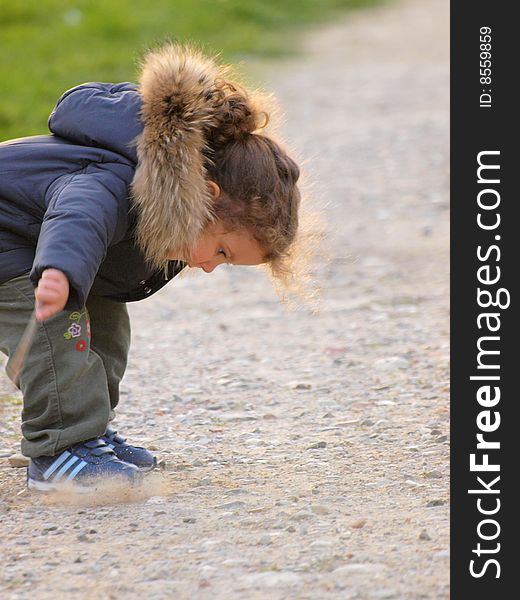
65, 198
119, 184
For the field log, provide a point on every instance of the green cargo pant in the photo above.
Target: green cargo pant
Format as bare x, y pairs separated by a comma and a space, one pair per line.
70, 378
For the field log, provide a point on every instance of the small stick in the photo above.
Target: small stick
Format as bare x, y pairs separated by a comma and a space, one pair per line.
15, 365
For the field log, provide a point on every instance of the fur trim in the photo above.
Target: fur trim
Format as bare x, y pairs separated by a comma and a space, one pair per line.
169, 187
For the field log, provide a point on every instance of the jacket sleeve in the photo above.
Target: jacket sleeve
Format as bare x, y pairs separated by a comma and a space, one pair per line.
84, 216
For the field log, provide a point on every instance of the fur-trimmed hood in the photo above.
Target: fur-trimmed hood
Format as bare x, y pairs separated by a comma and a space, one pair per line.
161, 126
179, 105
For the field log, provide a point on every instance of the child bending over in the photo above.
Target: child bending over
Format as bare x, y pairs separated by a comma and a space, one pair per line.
135, 183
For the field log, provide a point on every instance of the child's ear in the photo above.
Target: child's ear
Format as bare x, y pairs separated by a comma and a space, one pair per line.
214, 189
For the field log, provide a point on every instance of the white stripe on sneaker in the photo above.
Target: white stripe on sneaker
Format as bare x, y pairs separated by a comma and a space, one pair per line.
76, 470
65, 468
61, 458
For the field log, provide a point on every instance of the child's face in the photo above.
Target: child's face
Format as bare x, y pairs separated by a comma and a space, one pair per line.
217, 246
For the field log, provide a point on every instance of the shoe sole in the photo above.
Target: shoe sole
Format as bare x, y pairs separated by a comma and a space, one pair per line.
147, 469
45, 486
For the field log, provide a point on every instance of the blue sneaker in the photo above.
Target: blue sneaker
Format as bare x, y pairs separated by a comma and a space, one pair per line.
135, 455
84, 464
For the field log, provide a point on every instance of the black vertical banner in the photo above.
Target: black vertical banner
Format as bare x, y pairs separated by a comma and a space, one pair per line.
485, 246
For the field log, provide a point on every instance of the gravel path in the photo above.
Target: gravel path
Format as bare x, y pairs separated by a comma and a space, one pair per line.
304, 456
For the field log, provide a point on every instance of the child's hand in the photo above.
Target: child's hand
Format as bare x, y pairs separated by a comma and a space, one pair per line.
51, 294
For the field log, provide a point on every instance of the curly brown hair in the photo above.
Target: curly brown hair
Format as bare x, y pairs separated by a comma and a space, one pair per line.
257, 178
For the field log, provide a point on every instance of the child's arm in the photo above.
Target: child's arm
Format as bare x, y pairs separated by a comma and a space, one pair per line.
86, 213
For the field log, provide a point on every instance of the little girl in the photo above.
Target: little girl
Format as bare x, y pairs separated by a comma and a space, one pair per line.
136, 183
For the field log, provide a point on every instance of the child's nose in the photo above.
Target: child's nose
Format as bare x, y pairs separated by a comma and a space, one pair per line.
208, 267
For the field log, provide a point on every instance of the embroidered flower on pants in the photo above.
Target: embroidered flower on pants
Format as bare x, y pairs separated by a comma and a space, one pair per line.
81, 345
74, 330
88, 328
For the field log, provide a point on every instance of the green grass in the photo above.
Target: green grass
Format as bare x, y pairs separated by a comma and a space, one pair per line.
48, 46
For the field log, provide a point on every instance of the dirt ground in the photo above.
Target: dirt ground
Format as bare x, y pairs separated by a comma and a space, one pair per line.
304, 456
